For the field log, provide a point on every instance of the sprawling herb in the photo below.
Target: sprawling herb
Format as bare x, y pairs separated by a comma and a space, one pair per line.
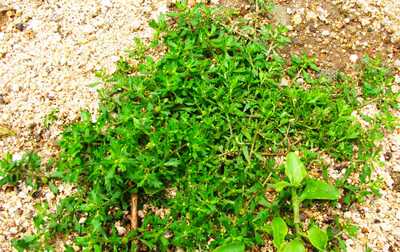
196, 135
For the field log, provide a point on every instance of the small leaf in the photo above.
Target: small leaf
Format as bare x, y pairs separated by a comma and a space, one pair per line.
318, 238
6, 132
279, 231
293, 246
295, 169
280, 186
320, 190
173, 162
232, 247
350, 229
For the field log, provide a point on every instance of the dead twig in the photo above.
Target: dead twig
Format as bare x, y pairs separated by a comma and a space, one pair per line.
134, 203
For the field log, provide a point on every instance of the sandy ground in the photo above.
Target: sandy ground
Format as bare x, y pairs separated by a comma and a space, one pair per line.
49, 51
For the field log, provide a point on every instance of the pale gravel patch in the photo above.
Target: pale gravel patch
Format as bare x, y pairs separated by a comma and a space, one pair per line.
379, 218
49, 65
378, 14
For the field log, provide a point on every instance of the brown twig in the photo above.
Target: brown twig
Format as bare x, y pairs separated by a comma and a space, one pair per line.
134, 203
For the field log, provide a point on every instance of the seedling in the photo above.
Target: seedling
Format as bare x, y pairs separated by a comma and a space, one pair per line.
26, 168
301, 188
50, 118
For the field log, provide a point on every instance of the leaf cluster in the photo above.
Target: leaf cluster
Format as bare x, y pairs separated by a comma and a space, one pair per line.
27, 169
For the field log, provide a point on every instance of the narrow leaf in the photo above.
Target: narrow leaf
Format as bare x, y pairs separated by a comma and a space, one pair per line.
232, 247
279, 231
318, 238
295, 169
320, 190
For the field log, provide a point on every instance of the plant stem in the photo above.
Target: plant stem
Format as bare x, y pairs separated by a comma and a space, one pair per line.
296, 210
134, 202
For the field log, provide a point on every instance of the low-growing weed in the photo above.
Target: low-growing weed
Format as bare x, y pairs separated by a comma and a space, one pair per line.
197, 134
50, 118
26, 168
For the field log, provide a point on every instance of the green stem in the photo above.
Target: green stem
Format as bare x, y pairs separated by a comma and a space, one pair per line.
296, 210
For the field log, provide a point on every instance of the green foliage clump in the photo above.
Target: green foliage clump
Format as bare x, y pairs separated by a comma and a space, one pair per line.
205, 122
26, 168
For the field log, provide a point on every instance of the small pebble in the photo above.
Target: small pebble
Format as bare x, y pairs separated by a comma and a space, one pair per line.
325, 33
20, 27
296, 19
106, 3
353, 58
17, 157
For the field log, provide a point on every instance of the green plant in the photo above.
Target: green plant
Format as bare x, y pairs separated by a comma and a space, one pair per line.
26, 168
50, 118
196, 134
301, 189
262, 6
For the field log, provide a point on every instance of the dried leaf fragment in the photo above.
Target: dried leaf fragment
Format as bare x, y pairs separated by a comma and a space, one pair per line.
6, 132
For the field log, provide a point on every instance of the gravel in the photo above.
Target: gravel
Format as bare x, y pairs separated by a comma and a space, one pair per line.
49, 51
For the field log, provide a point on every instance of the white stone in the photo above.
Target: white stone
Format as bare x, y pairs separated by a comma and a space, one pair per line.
311, 15
136, 24
297, 19
114, 58
82, 220
17, 157
284, 82
34, 25
397, 63
88, 29
325, 33
289, 11
120, 229
106, 3
353, 58
13, 230
322, 13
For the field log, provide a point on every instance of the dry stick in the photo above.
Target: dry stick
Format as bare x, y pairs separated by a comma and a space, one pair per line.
134, 203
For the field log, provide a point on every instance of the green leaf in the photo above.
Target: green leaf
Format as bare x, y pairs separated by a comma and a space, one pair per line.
279, 231
293, 246
280, 186
350, 229
53, 188
318, 238
173, 163
295, 169
320, 190
29, 242
231, 247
